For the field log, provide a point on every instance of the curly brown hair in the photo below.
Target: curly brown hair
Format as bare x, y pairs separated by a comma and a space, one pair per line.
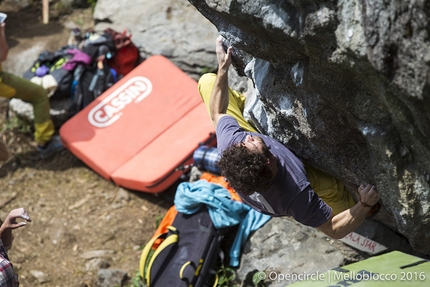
246, 171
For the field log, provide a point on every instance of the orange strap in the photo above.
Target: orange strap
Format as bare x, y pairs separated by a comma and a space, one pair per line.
162, 227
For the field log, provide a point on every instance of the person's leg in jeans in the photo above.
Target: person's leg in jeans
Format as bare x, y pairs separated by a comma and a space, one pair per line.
236, 100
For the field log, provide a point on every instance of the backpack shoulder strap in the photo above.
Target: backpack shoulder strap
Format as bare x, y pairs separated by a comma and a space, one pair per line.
145, 253
171, 237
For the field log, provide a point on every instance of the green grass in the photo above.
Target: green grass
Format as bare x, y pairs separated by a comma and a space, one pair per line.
92, 3
17, 124
205, 70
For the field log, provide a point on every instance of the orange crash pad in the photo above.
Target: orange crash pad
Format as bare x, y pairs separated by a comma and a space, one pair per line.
143, 127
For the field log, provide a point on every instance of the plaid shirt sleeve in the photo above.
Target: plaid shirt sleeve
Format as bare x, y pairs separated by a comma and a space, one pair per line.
7, 274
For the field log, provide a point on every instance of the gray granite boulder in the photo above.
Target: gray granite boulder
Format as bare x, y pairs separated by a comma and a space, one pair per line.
346, 86
111, 277
283, 247
171, 28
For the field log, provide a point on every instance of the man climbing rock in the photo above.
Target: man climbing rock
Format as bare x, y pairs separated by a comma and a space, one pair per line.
267, 175
14, 86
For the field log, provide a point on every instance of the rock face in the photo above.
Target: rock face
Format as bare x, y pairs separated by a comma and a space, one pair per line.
346, 86
174, 29
283, 247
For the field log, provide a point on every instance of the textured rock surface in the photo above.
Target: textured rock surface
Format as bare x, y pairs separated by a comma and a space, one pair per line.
171, 28
110, 277
345, 85
283, 247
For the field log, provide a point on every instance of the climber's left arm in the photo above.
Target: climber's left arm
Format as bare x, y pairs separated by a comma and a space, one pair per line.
340, 225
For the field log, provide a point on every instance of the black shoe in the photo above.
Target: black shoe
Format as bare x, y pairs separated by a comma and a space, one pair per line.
51, 147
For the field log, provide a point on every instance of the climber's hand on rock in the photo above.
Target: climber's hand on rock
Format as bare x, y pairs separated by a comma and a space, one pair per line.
223, 56
368, 194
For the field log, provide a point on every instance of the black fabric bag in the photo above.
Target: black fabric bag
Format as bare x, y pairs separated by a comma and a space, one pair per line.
90, 81
187, 255
98, 46
53, 62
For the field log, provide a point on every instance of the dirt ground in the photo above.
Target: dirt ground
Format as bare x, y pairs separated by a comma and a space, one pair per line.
73, 209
